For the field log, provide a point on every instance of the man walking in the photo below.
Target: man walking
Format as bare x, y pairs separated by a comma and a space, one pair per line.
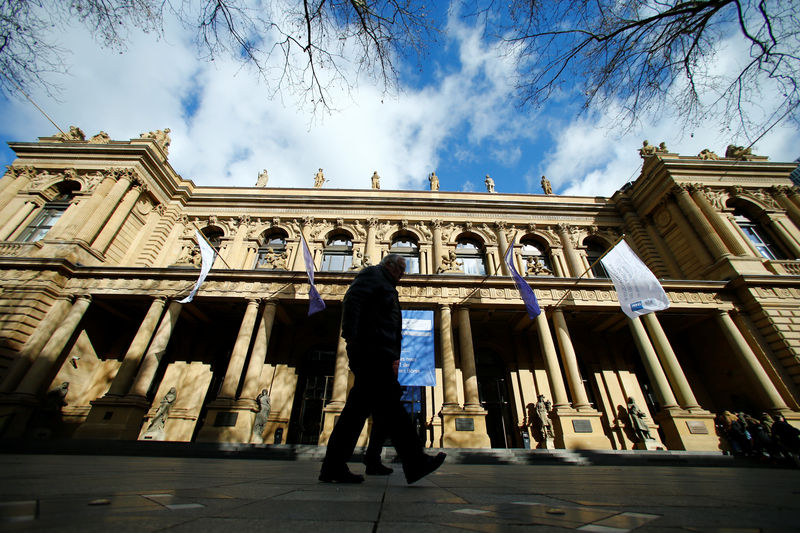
372, 326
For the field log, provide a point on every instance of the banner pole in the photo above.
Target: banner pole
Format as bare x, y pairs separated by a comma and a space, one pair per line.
569, 289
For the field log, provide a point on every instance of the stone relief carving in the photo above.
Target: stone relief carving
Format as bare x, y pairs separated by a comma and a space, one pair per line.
424, 230
715, 198
450, 263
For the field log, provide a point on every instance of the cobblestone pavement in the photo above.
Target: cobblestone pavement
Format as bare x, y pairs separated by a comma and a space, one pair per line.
123, 493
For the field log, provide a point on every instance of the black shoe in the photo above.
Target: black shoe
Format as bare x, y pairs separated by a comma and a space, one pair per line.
339, 475
378, 469
427, 465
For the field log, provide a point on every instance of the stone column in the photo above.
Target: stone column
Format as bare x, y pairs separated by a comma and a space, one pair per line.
17, 218
579, 399
721, 226
105, 207
685, 227
782, 194
33, 346
130, 363
670, 362
438, 250
42, 366
571, 255
147, 370
500, 230
470, 377
448, 358
259, 353
750, 362
664, 252
785, 237
14, 181
369, 246
341, 373
701, 225
551, 362
654, 370
299, 262
117, 219
234, 373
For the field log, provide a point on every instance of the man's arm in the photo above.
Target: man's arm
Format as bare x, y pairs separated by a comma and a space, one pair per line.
353, 304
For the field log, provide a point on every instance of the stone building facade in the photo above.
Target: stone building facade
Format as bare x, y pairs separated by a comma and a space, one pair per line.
97, 245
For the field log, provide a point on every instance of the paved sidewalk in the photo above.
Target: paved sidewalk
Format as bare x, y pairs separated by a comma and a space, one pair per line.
123, 493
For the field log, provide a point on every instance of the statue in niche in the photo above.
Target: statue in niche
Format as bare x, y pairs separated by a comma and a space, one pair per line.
358, 260
546, 187
263, 178
707, 154
434, 181
319, 179
281, 261
450, 263
155, 430
638, 422
489, 183
269, 259
534, 267
376, 180
543, 408
160, 136
75, 134
260, 423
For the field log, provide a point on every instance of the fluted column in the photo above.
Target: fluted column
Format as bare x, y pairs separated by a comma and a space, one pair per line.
571, 255
652, 365
784, 236
438, 249
18, 217
551, 362
147, 370
14, 181
259, 353
719, 224
579, 398
664, 252
448, 357
105, 207
469, 375
782, 195
117, 219
43, 364
749, 361
700, 223
670, 362
130, 363
234, 373
369, 249
500, 230
33, 346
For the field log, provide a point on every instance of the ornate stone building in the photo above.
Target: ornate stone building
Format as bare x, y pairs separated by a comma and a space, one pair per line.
97, 244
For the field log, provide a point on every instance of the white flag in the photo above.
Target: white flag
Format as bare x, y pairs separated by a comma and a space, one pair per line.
207, 254
638, 290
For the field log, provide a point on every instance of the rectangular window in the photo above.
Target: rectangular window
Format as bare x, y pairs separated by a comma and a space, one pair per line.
473, 266
45, 220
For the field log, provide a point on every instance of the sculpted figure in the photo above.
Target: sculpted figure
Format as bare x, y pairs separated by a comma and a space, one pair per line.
358, 260
542, 409
319, 179
376, 180
260, 423
160, 418
662, 148
100, 138
546, 187
75, 134
489, 183
263, 178
738, 152
533, 267
160, 136
269, 258
450, 263
281, 261
638, 421
56, 398
434, 181
646, 150
707, 154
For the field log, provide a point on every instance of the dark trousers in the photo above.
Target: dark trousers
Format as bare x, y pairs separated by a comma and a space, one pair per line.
375, 391
377, 436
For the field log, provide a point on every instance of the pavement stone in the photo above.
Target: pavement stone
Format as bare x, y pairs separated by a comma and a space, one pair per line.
87, 493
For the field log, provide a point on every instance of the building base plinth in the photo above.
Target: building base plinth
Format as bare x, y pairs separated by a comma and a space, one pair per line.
228, 420
688, 430
579, 430
113, 417
464, 428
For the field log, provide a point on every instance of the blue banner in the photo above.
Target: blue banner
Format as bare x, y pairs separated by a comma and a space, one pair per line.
417, 366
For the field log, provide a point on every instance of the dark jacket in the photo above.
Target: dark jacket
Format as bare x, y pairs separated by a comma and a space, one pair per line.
371, 318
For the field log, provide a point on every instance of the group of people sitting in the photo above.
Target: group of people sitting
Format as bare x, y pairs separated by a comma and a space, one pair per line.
767, 437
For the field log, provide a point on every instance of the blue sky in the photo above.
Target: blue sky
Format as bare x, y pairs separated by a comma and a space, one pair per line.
455, 113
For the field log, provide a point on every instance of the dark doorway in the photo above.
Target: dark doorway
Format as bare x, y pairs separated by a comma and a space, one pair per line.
314, 389
494, 397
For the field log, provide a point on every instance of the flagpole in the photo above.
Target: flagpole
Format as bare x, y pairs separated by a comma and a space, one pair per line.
569, 289
212, 246
468, 296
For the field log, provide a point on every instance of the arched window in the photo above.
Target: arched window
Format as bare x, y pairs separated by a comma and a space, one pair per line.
470, 254
535, 260
593, 252
272, 251
338, 253
758, 236
406, 246
50, 212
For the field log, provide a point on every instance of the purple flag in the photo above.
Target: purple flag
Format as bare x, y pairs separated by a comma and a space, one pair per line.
525, 291
315, 302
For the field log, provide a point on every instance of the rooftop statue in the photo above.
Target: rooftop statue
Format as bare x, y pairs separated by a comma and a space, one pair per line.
376, 180
319, 179
434, 181
75, 134
160, 136
100, 138
489, 183
263, 178
707, 154
739, 152
546, 187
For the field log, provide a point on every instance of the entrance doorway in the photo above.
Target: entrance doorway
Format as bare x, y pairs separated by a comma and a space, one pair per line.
494, 396
314, 390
